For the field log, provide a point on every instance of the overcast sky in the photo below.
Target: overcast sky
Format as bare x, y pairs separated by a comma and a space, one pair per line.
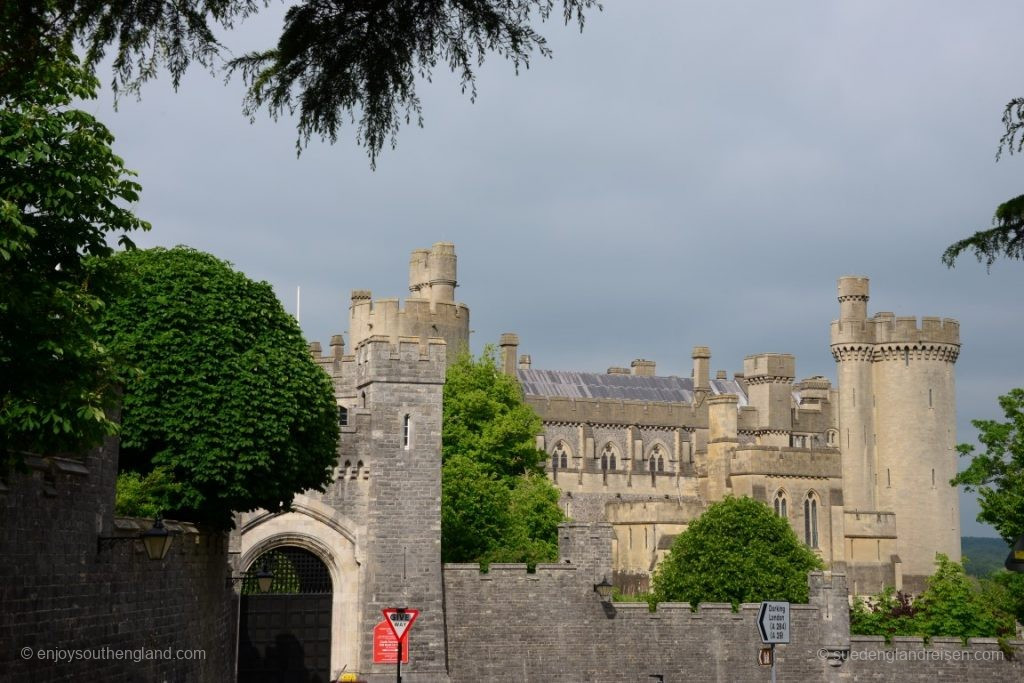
679, 174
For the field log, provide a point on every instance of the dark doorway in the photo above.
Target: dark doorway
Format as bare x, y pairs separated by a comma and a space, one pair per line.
285, 635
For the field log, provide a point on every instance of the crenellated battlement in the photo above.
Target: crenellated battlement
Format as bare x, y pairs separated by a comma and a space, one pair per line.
886, 328
430, 311
411, 359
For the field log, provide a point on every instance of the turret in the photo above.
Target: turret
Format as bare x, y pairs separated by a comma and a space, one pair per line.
701, 367
769, 379
429, 312
509, 345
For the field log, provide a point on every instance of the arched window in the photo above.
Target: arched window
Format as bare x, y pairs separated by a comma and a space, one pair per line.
560, 456
343, 416
608, 457
406, 432
781, 504
657, 459
811, 520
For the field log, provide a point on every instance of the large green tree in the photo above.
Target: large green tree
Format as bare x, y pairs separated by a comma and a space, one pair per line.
496, 503
998, 473
63, 197
225, 409
737, 551
1006, 238
335, 61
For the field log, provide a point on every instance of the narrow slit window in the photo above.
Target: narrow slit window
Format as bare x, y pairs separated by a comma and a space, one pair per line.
406, 432
343, 416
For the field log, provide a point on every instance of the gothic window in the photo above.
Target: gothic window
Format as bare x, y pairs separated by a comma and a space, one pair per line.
657, 460
608, 457
406, 432
831, 437
560, 456
781, 504
343, 416
811, 520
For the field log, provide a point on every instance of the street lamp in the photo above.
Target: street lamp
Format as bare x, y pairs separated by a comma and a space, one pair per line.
604, 589
264, 579
157, 540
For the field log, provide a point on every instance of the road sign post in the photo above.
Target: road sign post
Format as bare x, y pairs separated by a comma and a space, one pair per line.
773, 626
400, 619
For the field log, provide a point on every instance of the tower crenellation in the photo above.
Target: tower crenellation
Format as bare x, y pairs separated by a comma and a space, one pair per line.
429, 312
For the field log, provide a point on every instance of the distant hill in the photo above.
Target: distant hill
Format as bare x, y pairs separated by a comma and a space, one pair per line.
984, 555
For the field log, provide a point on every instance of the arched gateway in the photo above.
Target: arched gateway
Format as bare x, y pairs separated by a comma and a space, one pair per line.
285, 634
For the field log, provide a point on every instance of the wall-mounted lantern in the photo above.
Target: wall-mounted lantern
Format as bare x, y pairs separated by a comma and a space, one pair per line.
604, 589
157, 540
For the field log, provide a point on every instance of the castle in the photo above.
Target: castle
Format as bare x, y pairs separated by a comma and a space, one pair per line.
860, 471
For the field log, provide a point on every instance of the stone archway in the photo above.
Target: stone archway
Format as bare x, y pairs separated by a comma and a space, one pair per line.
285, 635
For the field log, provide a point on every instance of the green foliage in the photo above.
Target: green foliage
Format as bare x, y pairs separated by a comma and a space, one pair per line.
1006, 589
951, 605
1007, 238
496, 503
141, 495
998, 473
737, 551
225, 400
62, 191
486, 419
890, 613
358, 60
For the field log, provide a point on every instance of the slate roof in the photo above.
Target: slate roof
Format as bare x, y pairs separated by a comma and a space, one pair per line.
568, 384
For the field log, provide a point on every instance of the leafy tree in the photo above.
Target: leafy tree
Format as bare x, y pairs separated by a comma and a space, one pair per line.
890, 613
475, 513
335, 59
998, 473
486, 419
1006, 589
737, 551
1007, 237
496, 503
951, 605
62, 195
226, 402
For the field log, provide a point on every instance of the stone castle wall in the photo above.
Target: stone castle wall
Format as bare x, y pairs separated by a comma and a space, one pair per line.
550, 625
60, 590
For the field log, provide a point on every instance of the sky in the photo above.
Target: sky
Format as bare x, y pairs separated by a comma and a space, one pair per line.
679, 174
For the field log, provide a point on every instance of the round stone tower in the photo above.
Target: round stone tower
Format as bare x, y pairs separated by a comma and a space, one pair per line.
853, 349
897, 417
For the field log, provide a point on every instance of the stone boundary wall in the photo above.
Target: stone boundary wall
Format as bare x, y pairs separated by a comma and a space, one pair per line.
122, 616
550, 625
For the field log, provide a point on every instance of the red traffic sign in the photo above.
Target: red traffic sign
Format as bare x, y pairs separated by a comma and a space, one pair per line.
400, 619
